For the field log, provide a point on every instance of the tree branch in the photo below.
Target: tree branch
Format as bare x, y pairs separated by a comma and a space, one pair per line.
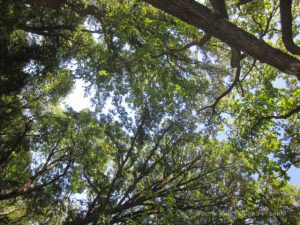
282, 116
200, 16
220, 7
287, 26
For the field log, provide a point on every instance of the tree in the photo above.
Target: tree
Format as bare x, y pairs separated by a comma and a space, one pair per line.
191, 137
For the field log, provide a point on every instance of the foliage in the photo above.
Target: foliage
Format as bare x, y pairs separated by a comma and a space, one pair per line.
187, 139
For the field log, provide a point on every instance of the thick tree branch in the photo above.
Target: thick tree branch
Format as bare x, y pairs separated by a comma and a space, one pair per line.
287, 26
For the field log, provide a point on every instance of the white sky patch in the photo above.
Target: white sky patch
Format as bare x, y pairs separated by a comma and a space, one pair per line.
107, 106
279, 83
201, 1
77, 99
80, 200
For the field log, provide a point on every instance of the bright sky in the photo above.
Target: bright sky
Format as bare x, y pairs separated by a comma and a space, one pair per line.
78, 101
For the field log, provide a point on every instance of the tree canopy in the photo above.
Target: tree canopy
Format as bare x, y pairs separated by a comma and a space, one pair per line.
204, 118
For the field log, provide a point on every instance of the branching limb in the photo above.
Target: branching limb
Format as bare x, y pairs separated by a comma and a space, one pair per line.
219, 7
287, 26
281, 116
236, 81
226, 92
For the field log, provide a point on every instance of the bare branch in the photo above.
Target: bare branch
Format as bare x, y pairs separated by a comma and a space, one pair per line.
287, 26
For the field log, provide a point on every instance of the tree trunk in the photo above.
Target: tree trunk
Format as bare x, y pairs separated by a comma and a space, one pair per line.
200, 16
